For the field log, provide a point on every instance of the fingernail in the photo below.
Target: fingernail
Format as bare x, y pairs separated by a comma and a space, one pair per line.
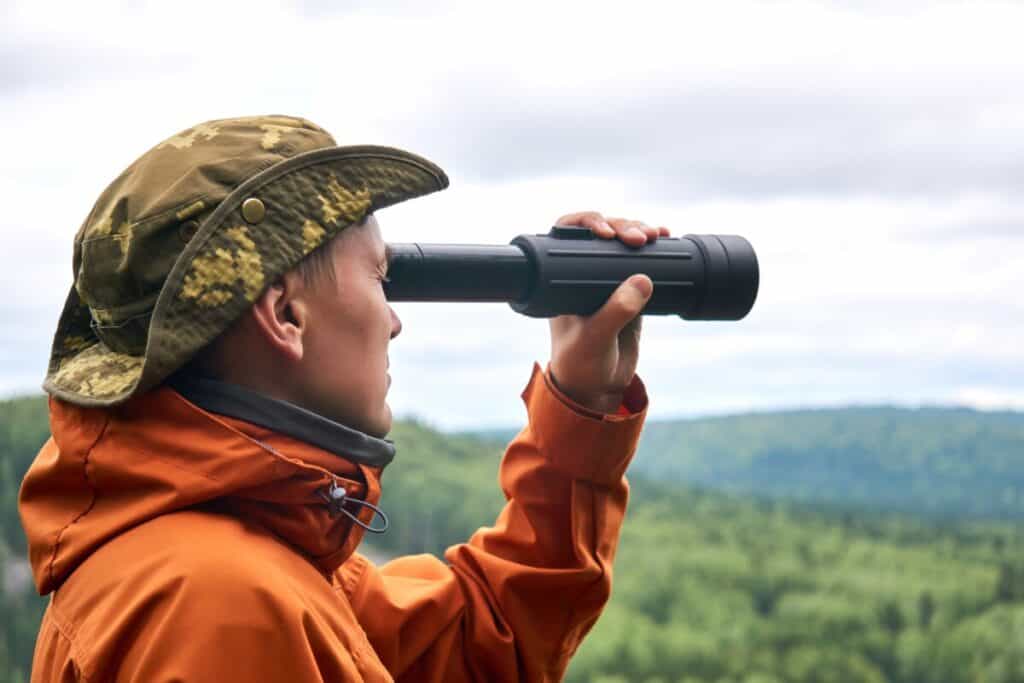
637, 231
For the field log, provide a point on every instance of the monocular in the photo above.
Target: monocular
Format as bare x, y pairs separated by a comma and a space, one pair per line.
570, 270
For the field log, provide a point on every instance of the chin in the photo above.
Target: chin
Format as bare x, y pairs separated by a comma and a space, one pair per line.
381, 426
386, 426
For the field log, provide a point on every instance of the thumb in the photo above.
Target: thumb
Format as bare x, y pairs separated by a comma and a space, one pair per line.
622, 306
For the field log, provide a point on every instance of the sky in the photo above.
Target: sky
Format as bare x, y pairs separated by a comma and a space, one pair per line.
872, 153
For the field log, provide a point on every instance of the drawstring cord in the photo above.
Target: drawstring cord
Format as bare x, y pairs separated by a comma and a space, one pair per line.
337, 498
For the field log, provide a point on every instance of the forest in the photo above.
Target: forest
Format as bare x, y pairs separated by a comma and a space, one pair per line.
944, 462
735, 585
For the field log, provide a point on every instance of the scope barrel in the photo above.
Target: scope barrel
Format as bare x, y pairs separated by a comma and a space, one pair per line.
457, 272
570, 271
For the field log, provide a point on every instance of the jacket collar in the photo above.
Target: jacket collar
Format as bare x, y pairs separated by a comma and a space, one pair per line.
283, 417
107, 470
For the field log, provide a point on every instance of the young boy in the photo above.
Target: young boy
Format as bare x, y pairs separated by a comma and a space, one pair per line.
218, 406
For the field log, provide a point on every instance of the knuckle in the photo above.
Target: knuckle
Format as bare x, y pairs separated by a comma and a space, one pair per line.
580, 217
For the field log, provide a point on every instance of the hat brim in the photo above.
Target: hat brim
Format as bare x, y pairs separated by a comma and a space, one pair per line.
308, 198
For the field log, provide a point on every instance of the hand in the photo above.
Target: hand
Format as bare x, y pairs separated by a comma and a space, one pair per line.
593, 358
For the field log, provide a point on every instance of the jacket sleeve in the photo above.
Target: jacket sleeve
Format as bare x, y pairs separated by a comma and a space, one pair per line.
514, 602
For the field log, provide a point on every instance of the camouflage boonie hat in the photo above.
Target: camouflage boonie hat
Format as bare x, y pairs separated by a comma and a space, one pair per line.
189, 235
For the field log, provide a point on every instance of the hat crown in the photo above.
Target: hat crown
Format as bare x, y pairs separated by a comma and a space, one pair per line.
142, 221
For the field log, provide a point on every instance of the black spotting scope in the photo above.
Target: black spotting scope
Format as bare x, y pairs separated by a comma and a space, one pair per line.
570, 270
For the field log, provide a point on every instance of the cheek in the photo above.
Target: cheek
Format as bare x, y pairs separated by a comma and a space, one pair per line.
354, 339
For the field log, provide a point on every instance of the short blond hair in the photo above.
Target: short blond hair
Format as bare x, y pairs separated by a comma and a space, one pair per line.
318, 264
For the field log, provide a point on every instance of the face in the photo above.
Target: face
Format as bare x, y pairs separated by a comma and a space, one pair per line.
344, 366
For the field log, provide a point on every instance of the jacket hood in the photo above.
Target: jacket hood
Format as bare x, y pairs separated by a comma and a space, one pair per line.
106, 470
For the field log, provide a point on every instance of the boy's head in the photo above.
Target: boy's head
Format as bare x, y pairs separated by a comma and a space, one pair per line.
206, 237
318, 337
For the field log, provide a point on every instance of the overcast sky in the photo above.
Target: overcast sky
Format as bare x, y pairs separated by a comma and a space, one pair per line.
874, 157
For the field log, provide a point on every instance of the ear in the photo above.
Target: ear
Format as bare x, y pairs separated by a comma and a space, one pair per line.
281, 315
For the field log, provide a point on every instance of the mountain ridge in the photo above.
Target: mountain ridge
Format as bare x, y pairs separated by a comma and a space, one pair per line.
946, 461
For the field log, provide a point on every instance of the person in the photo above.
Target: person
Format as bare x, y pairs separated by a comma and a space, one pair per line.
218, 385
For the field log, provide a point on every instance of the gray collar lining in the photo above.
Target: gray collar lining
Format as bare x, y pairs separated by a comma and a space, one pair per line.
284, 417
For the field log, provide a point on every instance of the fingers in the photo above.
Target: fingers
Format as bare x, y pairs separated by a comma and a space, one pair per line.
588, 219
631, 232
622, 307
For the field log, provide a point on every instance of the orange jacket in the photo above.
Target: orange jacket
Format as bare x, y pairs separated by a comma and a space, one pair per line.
182, 545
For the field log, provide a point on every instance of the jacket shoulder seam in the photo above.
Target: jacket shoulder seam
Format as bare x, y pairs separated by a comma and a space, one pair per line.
92, 501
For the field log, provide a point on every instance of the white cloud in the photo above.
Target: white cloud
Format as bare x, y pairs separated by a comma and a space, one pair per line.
870, 151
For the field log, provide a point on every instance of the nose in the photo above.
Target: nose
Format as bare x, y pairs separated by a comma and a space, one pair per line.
396, 323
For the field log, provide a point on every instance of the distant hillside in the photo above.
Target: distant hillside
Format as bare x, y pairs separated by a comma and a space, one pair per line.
951, 462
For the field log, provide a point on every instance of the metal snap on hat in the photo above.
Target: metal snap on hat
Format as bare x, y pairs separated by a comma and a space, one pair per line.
190, 234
